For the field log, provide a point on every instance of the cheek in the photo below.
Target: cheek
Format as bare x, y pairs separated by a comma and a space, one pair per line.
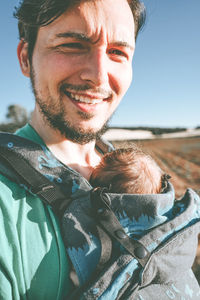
123, 78
64, 64
54, 67
127, 80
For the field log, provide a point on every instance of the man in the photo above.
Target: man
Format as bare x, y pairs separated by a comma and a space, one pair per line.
80, 69
78, 55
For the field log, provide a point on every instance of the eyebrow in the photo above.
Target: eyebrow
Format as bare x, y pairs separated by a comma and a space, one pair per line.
85, 38
123, 44
76, 35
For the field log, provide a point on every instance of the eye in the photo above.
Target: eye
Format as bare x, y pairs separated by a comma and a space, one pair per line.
73, 45
118, 55
117, 52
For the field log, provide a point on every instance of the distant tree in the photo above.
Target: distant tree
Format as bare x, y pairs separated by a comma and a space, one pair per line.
17, 117
17, 114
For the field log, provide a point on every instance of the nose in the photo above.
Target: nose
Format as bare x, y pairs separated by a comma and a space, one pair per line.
95, 68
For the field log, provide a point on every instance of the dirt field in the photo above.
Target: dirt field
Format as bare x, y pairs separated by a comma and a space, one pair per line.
181, 159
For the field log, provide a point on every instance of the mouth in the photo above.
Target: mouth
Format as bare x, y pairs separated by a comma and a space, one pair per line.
89, 99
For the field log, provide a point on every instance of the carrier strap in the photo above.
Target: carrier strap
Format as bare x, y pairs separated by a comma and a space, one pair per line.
109, 222
36, 183
106, 248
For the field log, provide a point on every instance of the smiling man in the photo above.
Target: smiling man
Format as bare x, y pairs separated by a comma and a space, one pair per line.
81, 66
78, 56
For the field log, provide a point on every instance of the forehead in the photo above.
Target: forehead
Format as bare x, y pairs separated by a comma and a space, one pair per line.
108, 19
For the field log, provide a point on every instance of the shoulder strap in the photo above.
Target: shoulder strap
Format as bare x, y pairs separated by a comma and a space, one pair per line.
19, 162
19, 170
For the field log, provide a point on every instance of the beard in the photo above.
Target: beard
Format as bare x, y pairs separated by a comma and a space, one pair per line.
56, 117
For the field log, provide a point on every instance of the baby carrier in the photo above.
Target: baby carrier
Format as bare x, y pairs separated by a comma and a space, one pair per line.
121, 246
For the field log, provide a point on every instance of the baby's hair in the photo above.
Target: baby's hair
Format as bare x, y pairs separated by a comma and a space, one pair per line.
129, 170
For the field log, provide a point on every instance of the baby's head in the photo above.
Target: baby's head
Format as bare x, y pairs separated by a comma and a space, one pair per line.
129, 170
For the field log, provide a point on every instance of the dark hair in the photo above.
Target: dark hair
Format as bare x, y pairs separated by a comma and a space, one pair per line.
32, 14
129, 170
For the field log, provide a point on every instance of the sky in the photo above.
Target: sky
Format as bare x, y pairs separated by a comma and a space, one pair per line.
165, 91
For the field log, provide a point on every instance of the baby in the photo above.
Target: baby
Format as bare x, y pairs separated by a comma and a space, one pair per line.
129, 170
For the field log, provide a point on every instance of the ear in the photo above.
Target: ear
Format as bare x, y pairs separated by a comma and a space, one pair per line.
22, 53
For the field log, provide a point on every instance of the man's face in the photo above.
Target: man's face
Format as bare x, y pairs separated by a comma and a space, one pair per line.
82, 66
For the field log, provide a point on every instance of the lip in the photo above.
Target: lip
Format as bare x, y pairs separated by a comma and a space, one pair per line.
87, 107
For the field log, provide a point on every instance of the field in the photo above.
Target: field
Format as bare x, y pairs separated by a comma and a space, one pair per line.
181, 159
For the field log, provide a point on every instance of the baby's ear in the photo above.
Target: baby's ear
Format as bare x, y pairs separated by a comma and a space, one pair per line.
22, 53
164, 182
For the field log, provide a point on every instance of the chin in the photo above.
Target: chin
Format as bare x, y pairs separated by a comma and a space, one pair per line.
90, 127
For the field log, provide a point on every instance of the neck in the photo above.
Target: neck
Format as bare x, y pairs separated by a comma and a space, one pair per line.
82, 158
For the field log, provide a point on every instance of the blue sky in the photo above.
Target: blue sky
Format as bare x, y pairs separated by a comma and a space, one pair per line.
166, 68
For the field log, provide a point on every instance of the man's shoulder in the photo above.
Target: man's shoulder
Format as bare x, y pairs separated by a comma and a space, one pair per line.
8, 179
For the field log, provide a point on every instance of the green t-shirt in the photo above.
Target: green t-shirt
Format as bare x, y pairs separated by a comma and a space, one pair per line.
33, 261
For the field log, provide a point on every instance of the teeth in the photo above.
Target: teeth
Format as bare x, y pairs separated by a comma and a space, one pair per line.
85, 99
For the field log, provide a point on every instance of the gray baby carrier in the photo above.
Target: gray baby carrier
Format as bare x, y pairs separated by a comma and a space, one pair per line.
121, 246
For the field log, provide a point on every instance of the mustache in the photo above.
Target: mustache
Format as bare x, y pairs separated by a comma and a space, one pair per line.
105, 93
